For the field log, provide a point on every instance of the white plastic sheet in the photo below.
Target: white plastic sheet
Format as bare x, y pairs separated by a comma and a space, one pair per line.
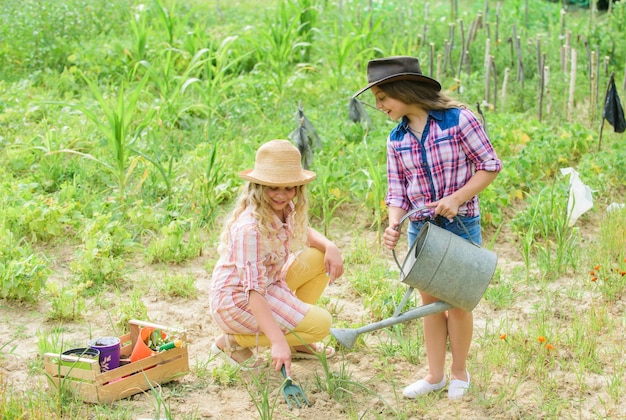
580, 196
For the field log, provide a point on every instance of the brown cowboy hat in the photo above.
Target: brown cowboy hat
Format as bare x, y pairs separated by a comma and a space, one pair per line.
391, 69
278, 164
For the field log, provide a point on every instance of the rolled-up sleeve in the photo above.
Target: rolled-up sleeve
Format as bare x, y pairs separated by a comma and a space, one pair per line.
396, 182
477, 145
248, 260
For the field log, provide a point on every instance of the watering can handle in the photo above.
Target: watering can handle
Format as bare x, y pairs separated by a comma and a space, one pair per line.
412, 212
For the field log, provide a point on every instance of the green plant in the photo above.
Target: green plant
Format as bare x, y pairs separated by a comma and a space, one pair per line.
159, 402
260, 389
276, 49
376, 191
120, 130
175, 243
226, 375
100, 260
179, 285
332, 198
400, 340
23, 273
131, 307
500, 292
67, 303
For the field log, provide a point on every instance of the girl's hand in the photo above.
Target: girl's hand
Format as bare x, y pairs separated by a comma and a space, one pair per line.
391, 236
281, 355
333, 263
447, 207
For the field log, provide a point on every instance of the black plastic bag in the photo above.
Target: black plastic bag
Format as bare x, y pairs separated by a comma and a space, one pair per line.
613, 111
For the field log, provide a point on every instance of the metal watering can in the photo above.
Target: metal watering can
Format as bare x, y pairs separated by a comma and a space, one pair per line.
444, 265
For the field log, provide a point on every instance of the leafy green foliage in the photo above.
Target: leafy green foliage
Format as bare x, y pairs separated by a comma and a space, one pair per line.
159, 104
23, 273
38, 35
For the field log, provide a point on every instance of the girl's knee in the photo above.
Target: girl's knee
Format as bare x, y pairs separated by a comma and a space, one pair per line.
320, 322
315, 258
457, 313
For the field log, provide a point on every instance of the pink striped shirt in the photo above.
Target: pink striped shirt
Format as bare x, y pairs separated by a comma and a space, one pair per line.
248, 263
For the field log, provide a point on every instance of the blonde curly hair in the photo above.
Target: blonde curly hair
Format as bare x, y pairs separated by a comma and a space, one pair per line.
253, 195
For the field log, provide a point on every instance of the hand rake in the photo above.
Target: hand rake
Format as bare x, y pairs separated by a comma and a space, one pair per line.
293, 392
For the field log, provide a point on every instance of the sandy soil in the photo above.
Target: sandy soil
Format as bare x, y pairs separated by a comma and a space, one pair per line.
197, 397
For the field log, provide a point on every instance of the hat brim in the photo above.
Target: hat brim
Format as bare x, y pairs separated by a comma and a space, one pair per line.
402, 76
305, 178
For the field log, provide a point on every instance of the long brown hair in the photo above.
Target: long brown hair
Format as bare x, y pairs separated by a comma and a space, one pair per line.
411, 92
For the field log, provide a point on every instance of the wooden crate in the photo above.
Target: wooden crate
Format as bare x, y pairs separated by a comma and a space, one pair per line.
92, 385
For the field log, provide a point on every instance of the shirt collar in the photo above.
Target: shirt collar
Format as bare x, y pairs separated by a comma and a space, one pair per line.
436, 114
288, 216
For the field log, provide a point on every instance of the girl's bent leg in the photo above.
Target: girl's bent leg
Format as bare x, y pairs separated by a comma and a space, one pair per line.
307, 275
314, 327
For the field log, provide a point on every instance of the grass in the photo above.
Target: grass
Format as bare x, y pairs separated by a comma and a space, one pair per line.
123, 127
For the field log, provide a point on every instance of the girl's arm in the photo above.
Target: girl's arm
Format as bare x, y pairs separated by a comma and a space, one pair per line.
449, 206
281, 353
391, 235
333, 260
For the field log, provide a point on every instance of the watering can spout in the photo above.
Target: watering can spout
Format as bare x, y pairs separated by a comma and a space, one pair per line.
347, 336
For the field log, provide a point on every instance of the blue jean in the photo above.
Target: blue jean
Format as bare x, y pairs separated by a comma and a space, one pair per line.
471, 223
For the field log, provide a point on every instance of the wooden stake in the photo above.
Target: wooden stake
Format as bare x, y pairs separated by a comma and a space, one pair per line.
487, 79
432, 59
497, 35
520, 62
572, 86
505, 81
546, 84
592, 86
462, 57
542, 62
495, 81
452, 30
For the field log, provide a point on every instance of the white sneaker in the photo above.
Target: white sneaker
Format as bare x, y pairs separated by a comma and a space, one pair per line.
458, 388
423, 387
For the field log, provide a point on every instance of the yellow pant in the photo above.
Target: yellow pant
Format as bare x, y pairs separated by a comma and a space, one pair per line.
307, 278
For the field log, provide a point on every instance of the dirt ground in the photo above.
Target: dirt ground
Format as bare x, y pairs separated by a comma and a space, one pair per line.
198, 398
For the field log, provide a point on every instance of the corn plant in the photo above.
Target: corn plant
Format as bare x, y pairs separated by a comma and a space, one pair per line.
276, 48
120, 130
376, 191
216, 70
329, 194
139, 27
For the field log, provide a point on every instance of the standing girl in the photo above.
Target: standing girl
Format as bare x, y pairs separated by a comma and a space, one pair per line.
273, 267
438, 156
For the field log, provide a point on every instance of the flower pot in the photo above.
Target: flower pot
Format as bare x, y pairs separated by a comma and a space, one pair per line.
76, 358
109, 348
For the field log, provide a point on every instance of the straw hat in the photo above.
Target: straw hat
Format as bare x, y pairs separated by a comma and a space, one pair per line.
391, 69
277, 164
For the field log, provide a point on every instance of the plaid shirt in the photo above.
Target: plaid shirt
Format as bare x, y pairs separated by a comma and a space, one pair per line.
249, 263
452, 148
